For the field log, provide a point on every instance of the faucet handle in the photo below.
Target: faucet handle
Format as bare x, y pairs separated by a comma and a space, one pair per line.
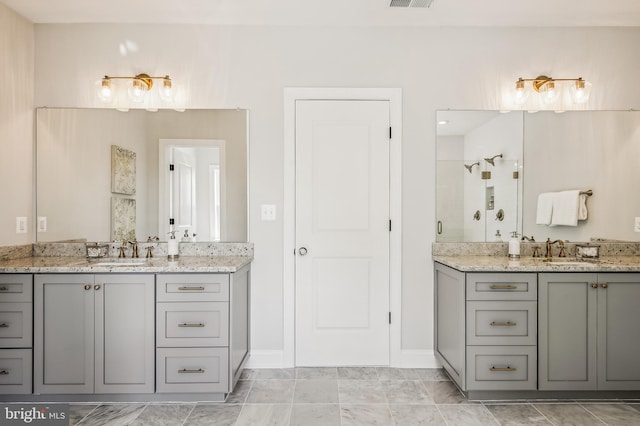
536, 251
149, 254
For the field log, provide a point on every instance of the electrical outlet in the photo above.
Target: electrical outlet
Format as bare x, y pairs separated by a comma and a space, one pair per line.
21, 225
268, 212
636, 226
42, 224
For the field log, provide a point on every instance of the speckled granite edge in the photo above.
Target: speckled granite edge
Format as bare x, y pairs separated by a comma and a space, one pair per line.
15, 252
158, 249
526, 249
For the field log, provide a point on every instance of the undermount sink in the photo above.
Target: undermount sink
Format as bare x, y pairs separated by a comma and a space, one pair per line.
569, 262
122, 262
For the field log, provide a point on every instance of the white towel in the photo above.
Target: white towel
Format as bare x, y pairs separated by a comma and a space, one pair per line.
582, 207
565, 208
545, 208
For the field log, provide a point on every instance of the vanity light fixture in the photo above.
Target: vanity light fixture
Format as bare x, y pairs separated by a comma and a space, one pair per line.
550, 89
138, 87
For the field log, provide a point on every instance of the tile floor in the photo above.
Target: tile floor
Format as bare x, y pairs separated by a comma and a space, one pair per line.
355, 396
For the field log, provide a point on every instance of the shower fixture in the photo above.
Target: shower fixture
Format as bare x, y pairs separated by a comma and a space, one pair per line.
491, 160
470, 166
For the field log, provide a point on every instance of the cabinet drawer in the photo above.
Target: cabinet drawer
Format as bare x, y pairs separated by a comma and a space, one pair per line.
192, 287
501, 323
501, 368
16, 288
15, 371
192, 370
511, 286
192, 324
16, 325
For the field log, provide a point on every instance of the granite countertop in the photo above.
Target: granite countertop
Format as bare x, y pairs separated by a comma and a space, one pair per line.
152, 265
530, 264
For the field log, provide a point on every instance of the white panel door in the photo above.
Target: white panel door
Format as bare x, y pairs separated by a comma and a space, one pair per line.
342, 233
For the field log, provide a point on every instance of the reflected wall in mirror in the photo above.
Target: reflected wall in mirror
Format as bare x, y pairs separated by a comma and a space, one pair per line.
597, 150
73, 163
478, 175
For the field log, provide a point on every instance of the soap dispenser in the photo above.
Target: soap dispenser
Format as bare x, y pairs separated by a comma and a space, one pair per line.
173, 247
514, 246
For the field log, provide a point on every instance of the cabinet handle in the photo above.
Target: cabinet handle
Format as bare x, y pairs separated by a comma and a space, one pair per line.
502, 324
502, 369
4, 373
186, 324
96, 287
184, 370
502, 287
4, 325
605, 285
439, 227
594, 285
3, 288
87, 287
190, 288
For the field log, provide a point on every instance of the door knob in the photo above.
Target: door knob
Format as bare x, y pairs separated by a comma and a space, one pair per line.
302, 251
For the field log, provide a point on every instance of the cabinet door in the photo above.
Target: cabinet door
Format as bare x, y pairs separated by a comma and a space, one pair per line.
618, 332
567, 331
63, 334
124, 314
450, 321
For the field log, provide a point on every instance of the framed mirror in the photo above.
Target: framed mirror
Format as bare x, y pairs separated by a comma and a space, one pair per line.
76, 168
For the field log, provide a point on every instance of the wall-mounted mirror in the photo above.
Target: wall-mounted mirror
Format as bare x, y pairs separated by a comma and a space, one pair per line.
585, 150
479, 176
76, 168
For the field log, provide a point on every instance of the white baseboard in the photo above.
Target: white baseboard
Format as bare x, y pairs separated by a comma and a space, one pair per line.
419, 358
266, 359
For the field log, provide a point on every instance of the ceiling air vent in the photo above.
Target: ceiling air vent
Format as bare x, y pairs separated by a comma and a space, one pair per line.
411, 3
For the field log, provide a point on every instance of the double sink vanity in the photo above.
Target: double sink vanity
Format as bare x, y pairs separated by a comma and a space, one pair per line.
536, 327
78, 329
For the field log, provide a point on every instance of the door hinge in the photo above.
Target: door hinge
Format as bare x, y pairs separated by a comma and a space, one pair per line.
389, 225
389, 132
170, 167
389, 317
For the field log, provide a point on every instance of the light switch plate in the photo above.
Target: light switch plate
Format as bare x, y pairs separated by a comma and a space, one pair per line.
21, 225
636, 226
268, 212
42, 224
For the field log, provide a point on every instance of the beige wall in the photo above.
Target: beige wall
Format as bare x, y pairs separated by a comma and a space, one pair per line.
16, 125
248, 67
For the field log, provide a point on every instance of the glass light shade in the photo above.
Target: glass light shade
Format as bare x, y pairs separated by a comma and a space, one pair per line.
580, 91
106, 90
521, 93
549, 92
166, 91
137, 90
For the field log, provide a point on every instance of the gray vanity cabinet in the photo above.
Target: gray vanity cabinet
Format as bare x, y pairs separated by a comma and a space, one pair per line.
486, 328
589, 334
16, 331
93, 333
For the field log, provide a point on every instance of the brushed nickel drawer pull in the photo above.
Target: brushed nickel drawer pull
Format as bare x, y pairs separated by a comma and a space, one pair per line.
190, 288
503, 324
4, 373
184, 370
503, 287
187, 324
4, 325
502, 369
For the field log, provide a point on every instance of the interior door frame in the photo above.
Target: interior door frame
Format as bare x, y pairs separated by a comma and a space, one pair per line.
394, 96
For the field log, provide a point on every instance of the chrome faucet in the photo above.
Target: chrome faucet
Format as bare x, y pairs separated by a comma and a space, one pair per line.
550, 244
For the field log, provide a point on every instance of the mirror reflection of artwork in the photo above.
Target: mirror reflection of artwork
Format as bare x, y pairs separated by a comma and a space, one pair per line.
123, 219
123, 170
